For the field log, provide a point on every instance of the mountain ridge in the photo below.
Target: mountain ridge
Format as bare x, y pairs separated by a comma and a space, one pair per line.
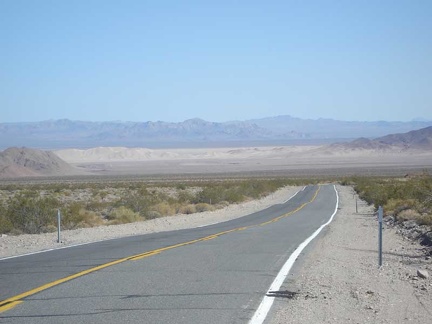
416, 140
63, 133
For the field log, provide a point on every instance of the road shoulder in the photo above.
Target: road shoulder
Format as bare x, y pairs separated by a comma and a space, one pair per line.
339, 280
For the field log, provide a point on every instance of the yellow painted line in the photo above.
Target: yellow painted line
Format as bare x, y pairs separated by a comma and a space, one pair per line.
11, 302
144, 255
211, 237
293, 211
9, 306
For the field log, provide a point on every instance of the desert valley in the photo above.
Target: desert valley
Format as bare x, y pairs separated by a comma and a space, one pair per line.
108, 192
395, 154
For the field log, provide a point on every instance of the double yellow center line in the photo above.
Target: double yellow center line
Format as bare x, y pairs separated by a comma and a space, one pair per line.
16, 300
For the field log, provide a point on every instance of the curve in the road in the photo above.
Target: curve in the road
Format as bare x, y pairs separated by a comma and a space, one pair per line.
11, 302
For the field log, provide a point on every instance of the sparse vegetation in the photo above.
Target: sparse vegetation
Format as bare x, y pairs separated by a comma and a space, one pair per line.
404, 198
32, 208
28, 213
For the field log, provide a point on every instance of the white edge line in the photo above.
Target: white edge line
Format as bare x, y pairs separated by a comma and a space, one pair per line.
54, 249
114, 238
267, 302
292, 196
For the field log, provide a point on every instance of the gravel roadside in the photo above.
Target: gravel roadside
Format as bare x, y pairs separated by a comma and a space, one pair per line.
339, 280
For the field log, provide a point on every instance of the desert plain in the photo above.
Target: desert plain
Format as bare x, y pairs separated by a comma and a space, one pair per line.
292, 161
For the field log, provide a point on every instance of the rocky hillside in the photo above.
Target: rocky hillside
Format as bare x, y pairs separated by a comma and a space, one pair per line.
25, 162
417, 140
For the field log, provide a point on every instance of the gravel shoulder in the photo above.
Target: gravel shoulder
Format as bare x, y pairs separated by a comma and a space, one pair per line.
339, 281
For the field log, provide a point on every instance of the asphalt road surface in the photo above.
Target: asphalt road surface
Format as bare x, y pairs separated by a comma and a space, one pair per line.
213, 274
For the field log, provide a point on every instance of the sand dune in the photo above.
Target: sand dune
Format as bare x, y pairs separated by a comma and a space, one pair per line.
115, 154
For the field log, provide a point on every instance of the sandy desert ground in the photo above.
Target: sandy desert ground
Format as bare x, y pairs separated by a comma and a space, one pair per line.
300, 161
336, 281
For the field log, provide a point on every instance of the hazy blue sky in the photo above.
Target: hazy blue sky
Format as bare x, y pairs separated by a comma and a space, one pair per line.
216, 60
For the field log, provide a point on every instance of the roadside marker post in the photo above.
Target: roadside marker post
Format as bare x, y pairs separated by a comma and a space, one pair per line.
58, 225
380, 220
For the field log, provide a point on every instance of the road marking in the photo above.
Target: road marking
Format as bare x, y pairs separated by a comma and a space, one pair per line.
10, 305
293, 196
11, 302
115, 238
65, 247
144, 255
267, 302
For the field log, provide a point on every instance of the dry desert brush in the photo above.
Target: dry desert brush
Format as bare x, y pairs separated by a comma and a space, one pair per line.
404, 198
33, 208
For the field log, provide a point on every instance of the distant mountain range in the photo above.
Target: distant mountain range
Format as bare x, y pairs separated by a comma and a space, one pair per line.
64, 133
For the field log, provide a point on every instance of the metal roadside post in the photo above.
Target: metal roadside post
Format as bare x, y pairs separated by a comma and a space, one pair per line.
58, 225
380, 220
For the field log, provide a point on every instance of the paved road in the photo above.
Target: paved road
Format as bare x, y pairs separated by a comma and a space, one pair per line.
213, 274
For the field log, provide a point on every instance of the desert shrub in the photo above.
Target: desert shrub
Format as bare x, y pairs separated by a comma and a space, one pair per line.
89, 219
5, 224
152, 214
67, 192
31, 214
425, 220
203, 207
123, 215
187, 209
235, 195
96, 205
395, 206
50, 228
75, 215
406, 198
256, 189
181, 186
221, 205
138, 201
408, 214
185, 197
217, 193
209, 195
237, 191
163, 209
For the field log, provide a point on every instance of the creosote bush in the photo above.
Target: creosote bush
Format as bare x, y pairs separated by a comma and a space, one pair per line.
408, 198
123, 215
31, 214
82, 204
